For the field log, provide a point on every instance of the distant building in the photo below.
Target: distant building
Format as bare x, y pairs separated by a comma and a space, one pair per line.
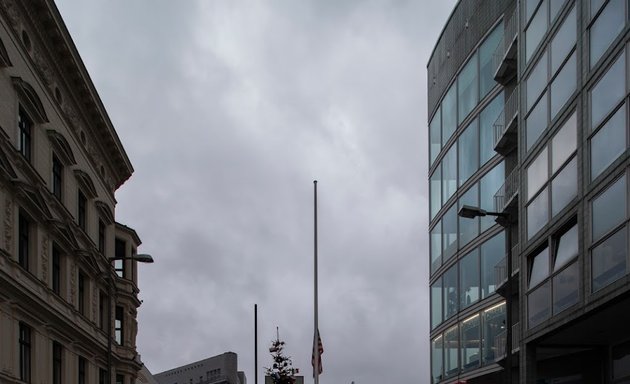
67, 310
145, 376
220, 369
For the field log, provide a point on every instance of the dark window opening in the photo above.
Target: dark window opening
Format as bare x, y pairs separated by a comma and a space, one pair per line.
23, 241
82, 210
25, 353
25, 125
57, 176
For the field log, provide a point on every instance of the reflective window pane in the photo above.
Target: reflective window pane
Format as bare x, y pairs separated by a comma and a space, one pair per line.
468, 146
530, 7
451, 352
487, 49
449, 113
566, 248
470, 347
435, 133
436, 303
449, 232
564, 40
608, 143
449, 174
564, 143
436, 191
595, 4
554, 8
469, 279
563, 85
492, 252
536, 81
609, 208
609, 260
494, 331
468, 228
437, 366
537, 174
564, 187
536, 30
467, 88
487, 118
539, 305
489, 185
565, 288
540, 268
537, 213
608, 91
449, 281
436, 247
606, 28
536, 122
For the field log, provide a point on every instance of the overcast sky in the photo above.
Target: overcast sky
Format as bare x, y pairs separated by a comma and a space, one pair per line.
228, 111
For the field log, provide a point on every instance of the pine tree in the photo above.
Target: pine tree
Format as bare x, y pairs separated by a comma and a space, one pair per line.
282, 370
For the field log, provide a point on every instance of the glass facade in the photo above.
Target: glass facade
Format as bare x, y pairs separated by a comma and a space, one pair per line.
560, 168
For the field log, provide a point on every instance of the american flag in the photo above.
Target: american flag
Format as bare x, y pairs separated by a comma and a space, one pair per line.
317, 353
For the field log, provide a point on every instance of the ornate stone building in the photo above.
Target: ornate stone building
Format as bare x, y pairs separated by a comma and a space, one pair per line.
67, 310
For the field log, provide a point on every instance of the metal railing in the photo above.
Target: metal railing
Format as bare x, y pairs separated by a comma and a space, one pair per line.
500, 345
503, 121
516, 336
500, 272
509, 34
507, 191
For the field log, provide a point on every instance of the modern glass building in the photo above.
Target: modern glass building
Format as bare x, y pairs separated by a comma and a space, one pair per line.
528, 121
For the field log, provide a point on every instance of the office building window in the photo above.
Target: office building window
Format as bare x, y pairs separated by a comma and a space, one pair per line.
451, 351
24, 239
468, 93
449, 113
540, 15
487, 118
82, 210
25, 352
608, 91
57, 363
553, 277
436, 303
449, 233
82, 372
57, 177
606, 26
494, 330
552, 178
119, 325
120, 255
450, 291
25, 125
468, 148
82, 294
468, 228
470, 330
492, 253
56, 269
554, 77
469, 277
436, 246
437, 361
609, 220
435, 135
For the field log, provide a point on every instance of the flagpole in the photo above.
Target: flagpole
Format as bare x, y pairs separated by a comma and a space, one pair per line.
316, 332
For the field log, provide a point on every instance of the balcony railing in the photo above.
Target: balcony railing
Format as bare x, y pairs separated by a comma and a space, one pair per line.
505, 125
506, 193
500, 272
516, 336
500, 345
504, 57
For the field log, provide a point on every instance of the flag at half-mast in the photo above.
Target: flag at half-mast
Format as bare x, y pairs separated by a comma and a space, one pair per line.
318, 349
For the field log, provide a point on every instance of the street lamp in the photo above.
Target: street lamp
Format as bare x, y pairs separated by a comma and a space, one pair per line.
503, 219
141, 258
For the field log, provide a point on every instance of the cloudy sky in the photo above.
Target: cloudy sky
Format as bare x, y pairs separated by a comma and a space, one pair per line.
229, 110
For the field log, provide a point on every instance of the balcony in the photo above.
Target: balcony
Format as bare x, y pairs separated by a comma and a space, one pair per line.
505, 135
500, 343
516, 337
504, 57
506, 197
